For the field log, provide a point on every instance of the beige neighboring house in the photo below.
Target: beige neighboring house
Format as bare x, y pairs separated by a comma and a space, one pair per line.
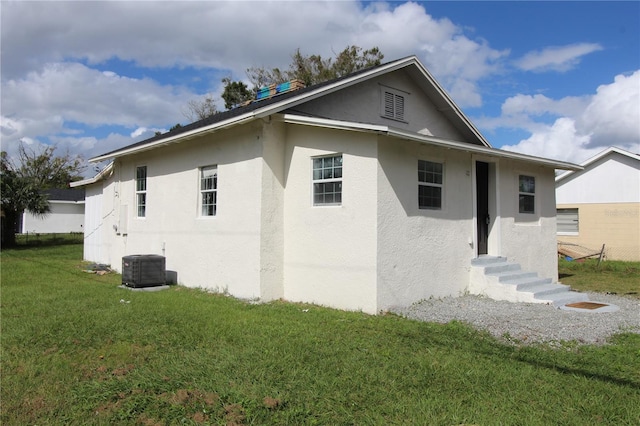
601, 205
366, 192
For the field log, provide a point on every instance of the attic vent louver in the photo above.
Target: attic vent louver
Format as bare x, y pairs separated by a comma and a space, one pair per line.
277, 89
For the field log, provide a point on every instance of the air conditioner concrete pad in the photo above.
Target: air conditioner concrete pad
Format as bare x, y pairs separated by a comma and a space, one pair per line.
153, 288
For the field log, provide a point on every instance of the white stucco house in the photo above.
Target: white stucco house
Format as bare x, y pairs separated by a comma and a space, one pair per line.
600, 205
66, 214
367, 192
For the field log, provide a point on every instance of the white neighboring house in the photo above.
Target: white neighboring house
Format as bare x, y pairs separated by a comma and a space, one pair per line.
66, 215
601, 204
366, 192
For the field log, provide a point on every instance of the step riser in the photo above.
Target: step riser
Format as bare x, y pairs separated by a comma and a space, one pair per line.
501, 280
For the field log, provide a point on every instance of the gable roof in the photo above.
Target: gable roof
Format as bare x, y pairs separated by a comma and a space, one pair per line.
595, 158
282, 102
104, 173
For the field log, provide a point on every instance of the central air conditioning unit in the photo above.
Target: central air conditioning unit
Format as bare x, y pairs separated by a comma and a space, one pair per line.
143, 270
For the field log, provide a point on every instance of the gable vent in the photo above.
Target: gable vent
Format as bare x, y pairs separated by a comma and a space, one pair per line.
393, 106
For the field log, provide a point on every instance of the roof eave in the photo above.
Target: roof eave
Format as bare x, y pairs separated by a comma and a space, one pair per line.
401, 134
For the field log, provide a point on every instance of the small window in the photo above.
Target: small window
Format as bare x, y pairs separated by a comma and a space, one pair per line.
141, 190
208, 190
568, 221
393, 104
527, 194
327, 180
430, 182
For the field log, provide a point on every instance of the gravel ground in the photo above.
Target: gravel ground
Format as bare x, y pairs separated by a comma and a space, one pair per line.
524, 323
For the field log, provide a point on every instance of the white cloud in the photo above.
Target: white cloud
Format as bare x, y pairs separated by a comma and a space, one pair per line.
613, 116
222, 35
557, 58
585, 126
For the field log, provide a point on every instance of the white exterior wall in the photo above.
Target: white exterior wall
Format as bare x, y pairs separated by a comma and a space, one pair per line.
330, 251
613, 179
93, 224
64, 217
220, 253
528, 239
422, 253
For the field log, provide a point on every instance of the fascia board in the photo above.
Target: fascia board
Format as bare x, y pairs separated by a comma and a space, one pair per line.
454, 107
476, 149
598, 157
103, 173
400, 134
331, 124
177, 138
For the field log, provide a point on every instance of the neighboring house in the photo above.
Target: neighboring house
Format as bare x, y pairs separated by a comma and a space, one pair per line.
367, 192
601, 205
66, 215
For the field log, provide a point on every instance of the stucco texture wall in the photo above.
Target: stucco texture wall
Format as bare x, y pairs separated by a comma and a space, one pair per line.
330, 251
422, 253
529, 239
220, 253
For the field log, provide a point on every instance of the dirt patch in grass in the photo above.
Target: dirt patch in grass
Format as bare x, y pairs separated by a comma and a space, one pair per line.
234, 414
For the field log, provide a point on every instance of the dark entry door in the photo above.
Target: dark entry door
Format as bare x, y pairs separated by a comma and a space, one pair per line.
482, 207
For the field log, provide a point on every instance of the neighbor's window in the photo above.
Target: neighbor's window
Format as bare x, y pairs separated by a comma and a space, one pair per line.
527, 194
208, 190
141, 190
327, 180
430, 182
568, 221
392, 104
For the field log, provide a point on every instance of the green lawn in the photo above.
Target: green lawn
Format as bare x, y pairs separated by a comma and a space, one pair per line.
622, 278
76, 349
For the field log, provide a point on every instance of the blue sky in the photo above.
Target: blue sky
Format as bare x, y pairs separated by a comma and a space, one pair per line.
553, 79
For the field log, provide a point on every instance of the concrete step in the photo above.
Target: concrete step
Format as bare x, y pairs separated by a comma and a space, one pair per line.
497, 268
487, 260
544, 290
503, 280
526, 282
515, 276
561, 299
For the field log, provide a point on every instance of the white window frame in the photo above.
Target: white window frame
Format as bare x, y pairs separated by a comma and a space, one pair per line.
393, 104
326, 175
141, 192
424, 181
208, 209
526, 193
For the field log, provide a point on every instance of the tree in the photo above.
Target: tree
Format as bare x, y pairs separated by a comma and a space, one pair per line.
21, 185
235, 93
314, 69
201, 109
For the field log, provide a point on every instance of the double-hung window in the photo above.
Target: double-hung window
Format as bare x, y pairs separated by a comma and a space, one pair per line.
430, 184
527, 194
141, 190
208, 190
327, 180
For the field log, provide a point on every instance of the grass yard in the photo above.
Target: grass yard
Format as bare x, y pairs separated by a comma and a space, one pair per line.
622, 278
76, 349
